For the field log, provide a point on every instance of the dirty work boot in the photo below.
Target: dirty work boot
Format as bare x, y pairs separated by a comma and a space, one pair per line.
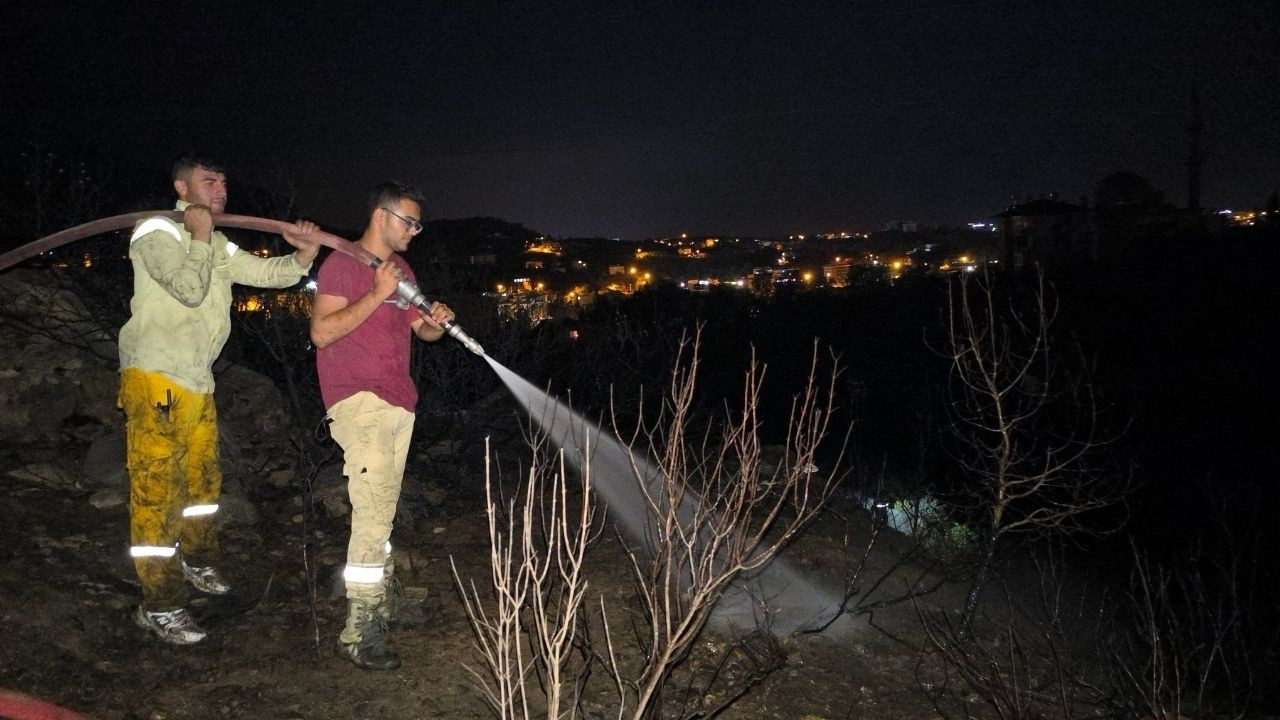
389, 610
402, 607
364, 640
175, 627
205, 579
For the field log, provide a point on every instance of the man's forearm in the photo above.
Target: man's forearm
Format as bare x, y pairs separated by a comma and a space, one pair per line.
338, 324
185, 275
304, 258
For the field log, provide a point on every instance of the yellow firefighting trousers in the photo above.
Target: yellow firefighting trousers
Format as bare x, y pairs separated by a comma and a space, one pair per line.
174, 483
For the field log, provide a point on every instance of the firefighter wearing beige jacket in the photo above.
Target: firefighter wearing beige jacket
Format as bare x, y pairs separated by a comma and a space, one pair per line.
180, 319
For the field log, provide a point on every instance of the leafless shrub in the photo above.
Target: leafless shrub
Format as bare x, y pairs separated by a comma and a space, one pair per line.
1193, 642
1033, 657
711, 515
1178, 642
530, 623
1027, 430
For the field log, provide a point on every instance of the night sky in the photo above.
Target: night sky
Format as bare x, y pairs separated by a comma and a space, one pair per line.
641, 119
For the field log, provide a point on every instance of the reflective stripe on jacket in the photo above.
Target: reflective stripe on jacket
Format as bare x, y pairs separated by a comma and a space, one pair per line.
181, 307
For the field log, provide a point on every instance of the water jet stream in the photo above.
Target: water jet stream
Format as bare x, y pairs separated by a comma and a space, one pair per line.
797, 603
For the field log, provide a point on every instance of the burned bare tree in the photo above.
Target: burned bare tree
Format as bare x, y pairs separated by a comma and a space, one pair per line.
712, 514
709, 515
1026, 429
527, 619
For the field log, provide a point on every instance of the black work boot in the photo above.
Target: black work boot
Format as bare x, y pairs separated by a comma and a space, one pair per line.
364, 640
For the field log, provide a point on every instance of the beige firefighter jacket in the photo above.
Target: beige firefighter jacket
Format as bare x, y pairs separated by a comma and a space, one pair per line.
181, 306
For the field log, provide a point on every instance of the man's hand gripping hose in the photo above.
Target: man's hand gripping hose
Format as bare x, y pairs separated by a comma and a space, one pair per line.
412, 295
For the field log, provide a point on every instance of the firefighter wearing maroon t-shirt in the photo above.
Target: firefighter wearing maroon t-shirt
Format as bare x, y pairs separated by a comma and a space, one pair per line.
362, 335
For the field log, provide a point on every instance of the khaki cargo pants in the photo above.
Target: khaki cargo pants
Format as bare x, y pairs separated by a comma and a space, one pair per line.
374, 436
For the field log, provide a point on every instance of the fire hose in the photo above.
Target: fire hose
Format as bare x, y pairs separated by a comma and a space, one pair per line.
406, 289
21, 706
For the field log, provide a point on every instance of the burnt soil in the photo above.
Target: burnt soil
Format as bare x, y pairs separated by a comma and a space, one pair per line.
67, 591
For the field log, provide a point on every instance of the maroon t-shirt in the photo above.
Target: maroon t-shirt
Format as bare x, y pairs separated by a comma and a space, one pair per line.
374, 356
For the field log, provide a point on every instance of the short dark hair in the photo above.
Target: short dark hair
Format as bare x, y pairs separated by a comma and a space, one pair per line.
187, 162
391, 192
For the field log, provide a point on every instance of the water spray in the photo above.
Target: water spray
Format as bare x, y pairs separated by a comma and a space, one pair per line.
627, 481
406, 289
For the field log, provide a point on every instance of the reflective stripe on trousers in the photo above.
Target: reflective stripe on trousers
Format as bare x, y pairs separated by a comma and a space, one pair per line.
174, 482
367, 574
374, 436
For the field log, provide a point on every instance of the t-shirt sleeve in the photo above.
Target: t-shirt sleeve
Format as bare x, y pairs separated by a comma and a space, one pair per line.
342, 279
346, 278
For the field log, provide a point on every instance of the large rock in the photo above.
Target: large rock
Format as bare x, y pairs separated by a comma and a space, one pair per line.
104, 464
57, 366
103, 470
253, 426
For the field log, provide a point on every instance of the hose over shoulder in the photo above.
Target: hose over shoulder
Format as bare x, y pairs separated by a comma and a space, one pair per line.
407, 290
123, 222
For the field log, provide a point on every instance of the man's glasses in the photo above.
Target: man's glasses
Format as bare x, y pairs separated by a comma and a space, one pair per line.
415, 227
